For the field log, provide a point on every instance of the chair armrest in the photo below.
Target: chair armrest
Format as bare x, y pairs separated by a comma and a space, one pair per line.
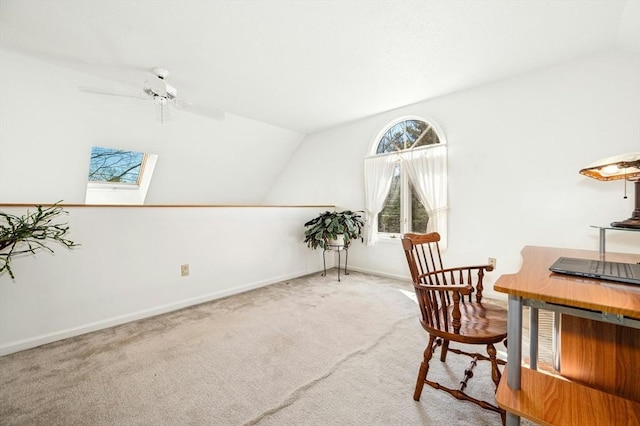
465, 268
468, 277
445, 288
449, 272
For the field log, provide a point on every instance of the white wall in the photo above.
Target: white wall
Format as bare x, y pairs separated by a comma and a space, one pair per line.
515, 148
128, 266
48, 126
129, 263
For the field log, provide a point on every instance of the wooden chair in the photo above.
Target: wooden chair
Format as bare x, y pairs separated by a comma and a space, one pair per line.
451, 309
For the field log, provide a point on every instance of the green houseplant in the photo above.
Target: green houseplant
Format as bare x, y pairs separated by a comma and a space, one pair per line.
30, 233
328, 226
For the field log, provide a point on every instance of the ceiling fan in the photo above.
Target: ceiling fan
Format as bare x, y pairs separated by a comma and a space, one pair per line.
156, 89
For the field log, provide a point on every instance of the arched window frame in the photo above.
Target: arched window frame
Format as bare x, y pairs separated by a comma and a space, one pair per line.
433, 181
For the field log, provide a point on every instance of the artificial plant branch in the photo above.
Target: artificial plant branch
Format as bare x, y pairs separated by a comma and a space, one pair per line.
31, 233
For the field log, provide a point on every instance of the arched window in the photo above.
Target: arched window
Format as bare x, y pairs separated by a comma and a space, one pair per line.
406, 181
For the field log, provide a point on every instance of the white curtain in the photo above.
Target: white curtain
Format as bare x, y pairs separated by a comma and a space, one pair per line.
427, 170
378, 173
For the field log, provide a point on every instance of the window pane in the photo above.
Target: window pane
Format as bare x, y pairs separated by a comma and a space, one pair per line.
419, 215
389, 217
392, 140
403, 136
413, 130
429, 138
114, 165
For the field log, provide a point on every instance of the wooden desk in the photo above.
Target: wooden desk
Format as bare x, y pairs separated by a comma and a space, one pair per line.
553, 399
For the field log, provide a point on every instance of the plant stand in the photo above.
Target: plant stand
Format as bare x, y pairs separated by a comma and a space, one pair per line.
339, 248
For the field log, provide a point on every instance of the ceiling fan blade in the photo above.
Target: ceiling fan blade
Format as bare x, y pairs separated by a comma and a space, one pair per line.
212, 113
156, 89
105, 92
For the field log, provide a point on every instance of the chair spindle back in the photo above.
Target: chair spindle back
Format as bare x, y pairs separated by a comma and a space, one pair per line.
425, 263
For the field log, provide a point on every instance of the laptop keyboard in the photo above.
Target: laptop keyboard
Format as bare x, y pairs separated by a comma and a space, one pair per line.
611, 269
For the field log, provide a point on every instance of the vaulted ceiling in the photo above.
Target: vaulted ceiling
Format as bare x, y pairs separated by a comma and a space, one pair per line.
311, 65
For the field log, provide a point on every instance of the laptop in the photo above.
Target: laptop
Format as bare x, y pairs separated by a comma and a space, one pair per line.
606, 270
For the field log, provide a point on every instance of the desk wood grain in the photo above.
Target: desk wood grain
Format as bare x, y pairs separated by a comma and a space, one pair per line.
535, 281
601, 359
601, 355
552, 400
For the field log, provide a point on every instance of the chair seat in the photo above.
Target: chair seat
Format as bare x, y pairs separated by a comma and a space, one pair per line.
481, 323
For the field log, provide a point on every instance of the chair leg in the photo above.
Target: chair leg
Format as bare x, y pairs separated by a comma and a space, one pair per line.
444, 350
424, 369
495, 371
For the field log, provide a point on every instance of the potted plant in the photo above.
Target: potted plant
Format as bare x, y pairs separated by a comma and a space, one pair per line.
30, 233
326, 228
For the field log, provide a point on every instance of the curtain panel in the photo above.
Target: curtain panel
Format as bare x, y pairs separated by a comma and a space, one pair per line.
378, 173
427, 169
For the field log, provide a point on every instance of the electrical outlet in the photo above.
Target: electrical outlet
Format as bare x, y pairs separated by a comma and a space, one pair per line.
492, 262
184, 270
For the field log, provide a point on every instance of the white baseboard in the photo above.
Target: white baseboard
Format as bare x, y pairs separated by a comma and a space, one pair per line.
33, 342
380, 273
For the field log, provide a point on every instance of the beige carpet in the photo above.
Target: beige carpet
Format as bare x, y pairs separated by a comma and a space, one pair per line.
309, 351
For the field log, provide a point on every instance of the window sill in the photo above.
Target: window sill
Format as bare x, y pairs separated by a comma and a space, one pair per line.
389, 239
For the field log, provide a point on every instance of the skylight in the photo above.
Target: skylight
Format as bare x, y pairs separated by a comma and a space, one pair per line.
118, 176
115, 165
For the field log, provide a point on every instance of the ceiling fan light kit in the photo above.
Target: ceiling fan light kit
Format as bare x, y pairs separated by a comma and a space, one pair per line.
161, 73
158, 88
